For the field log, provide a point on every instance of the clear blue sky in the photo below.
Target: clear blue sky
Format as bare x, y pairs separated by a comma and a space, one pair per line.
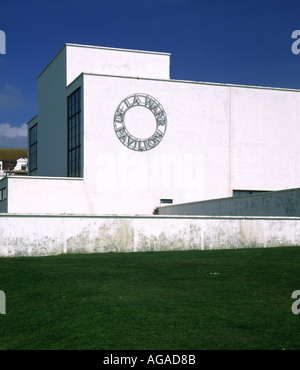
227, 41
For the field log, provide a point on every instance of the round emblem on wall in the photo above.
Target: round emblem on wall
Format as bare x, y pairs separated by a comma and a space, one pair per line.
138, 128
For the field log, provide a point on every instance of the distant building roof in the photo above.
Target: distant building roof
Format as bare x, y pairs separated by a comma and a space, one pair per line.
11, 154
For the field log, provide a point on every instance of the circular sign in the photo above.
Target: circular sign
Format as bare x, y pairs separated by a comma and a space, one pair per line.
126, 137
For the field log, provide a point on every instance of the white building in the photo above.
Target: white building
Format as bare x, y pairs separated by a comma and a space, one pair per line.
13, 162
123, 136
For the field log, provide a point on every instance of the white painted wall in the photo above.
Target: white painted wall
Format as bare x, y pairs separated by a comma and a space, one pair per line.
120, 62
48, 195
182, 167
265, 130
21, 162
25, 235
66, 66
218, 137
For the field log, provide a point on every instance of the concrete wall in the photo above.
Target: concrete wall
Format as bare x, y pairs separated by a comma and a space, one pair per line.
52, 119
218, 137
284, 203
66, 66
120, 62
183, 166
33, 194
40, 235
264, 138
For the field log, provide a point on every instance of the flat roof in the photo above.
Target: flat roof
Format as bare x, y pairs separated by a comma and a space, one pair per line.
32, 119
117, 49
187, 82
102, 48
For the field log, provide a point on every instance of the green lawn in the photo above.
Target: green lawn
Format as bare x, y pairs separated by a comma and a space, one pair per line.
221, 299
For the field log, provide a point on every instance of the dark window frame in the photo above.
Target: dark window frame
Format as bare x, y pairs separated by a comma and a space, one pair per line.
74, 134
33, 148
3, 194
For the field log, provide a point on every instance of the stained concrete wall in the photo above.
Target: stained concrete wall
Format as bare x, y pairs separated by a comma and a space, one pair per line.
41, 235
284, 203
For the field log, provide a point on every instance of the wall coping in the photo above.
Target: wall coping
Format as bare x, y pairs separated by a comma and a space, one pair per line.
152, 217
265, 194
45, 178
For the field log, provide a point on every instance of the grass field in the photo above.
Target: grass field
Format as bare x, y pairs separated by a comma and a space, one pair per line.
221, 299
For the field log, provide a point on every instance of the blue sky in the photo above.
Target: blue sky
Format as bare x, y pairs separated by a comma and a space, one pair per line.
238, 42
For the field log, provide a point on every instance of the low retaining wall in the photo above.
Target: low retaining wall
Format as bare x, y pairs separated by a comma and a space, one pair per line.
283, 203
41, 235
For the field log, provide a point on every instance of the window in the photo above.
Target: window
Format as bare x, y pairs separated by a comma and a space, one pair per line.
3, 194
0, 165
243, 193
33, 150
74, 134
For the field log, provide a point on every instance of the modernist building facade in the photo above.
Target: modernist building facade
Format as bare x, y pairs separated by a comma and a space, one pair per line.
115, 135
